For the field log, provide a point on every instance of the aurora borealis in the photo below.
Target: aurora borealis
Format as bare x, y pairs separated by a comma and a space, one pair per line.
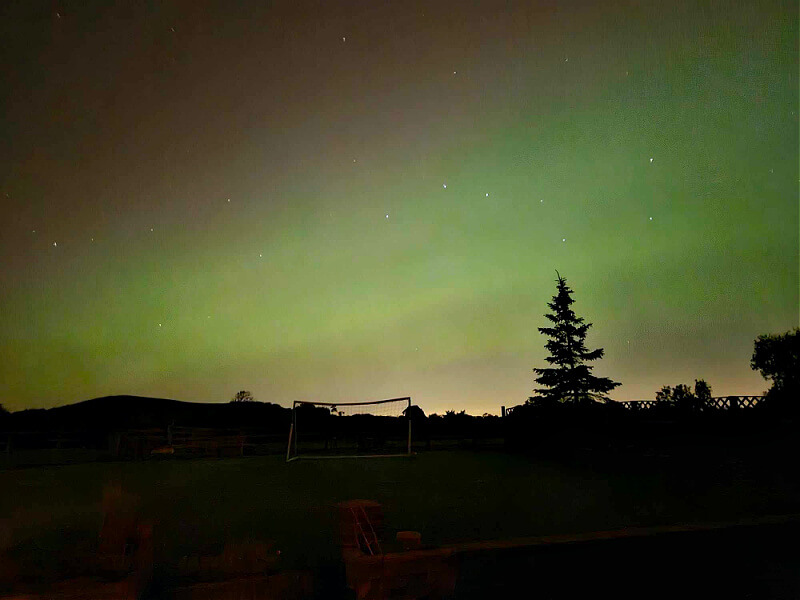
341, 201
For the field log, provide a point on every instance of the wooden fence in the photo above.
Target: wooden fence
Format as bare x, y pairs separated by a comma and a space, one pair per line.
197, 441
53, 447
11, 441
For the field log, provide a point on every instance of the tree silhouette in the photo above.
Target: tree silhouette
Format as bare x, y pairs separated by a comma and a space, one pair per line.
681, 396
414, 412
243, 396
570, 379
419, 423
777, 358
702, 391
676, 395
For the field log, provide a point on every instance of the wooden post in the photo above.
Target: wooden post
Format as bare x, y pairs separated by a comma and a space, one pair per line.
294, 427
292, 434
408, 412
503, 411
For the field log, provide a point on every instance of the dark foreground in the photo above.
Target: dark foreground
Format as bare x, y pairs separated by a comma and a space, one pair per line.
740, 562
454, 499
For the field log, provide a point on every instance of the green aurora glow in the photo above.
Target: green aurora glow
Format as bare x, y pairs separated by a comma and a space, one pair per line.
300, 287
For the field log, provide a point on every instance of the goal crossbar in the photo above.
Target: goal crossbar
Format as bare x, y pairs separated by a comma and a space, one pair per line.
296, 402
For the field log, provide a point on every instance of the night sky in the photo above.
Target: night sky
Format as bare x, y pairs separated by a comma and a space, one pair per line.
341, 201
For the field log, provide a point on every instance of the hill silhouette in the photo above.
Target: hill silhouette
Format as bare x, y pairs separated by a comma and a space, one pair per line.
131, 412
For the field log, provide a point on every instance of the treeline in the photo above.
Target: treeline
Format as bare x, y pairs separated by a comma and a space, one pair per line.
461, 426
552, 426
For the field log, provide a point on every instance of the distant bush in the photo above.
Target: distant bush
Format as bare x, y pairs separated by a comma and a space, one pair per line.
243, 396
682, 398
546, 425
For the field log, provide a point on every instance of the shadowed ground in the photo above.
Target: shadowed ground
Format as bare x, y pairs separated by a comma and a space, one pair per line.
450, 497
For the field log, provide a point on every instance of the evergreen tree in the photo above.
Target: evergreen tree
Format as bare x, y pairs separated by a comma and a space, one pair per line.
570, 379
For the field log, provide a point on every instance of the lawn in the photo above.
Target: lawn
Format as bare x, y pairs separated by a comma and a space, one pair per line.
448, 496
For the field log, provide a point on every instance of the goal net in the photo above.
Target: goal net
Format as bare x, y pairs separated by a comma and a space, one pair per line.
349, 429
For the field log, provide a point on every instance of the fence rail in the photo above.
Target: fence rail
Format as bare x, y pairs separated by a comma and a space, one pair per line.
712, 404
11, 440
27, 446
198, 441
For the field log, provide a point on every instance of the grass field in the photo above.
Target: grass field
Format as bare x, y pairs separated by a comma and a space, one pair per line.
449, 496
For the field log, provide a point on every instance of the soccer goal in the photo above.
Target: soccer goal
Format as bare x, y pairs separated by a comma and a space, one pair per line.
349, 429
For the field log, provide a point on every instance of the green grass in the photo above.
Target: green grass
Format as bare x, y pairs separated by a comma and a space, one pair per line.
449, 496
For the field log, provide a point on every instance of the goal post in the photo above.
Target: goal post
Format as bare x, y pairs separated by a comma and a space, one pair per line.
379, 428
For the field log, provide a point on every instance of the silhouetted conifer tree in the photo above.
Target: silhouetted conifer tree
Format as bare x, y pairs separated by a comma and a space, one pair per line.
570, 379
